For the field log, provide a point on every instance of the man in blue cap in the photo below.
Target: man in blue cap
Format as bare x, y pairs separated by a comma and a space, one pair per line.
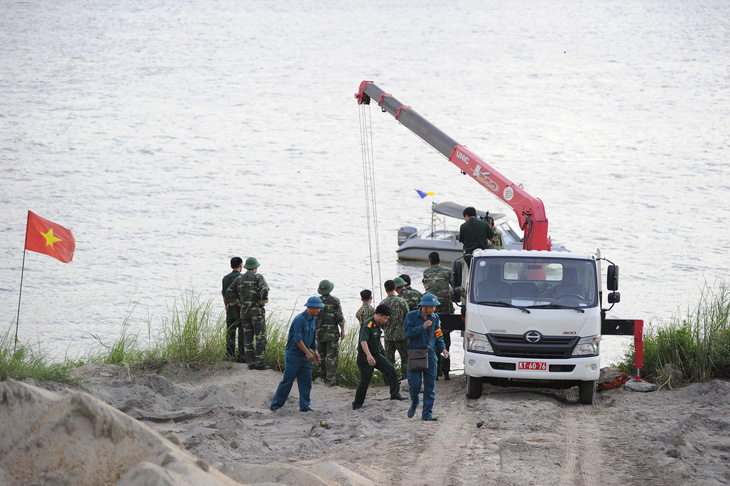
423, 328
301, 350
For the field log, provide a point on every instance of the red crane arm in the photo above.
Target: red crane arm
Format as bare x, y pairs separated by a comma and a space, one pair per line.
530, 210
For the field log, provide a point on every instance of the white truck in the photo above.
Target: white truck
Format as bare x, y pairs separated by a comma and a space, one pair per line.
531, 317
534, 318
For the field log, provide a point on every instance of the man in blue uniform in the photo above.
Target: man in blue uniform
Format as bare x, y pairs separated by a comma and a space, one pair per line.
423, 328
301, 350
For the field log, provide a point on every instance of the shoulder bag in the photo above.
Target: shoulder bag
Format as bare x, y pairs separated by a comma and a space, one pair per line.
418, 357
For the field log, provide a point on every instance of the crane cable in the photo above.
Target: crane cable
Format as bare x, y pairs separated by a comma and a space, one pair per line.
368, 170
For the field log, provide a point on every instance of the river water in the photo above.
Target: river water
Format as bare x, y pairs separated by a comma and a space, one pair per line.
170, 136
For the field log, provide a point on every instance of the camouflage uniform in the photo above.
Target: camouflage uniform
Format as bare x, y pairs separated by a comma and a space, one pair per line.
365, 312
436, 280
249, 289
498, 241
329, 321
412, 297
233, 323
395, 336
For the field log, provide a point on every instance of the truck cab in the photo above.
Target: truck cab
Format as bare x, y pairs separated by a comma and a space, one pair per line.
533, 318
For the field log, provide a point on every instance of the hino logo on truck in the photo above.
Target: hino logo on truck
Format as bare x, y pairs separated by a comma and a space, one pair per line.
533, 337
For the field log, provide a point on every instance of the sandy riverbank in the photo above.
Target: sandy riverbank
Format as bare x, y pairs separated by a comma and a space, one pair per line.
218, 420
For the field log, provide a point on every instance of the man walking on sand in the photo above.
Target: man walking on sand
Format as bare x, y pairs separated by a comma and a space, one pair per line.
233, 316
250, 293
301, 350
370, 357
423, 329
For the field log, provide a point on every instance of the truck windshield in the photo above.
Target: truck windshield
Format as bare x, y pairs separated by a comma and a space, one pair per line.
534, 282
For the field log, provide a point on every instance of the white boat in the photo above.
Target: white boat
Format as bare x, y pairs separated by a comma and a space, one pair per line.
415, 245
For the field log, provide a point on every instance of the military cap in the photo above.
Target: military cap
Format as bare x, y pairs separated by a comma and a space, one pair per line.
325, 287
399, 282
314, 302
251, 262
429, 299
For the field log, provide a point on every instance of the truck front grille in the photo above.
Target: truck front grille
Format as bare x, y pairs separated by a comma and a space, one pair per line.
516, 346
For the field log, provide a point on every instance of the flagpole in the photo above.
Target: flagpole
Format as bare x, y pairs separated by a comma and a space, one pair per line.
20, 294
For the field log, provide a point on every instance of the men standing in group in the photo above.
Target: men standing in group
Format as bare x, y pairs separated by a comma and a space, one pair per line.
437, 281
366, 310
370, 357
251, 293
474, 233
395, 337
422, 326
301, 350
408, 293
233, 316
330, 329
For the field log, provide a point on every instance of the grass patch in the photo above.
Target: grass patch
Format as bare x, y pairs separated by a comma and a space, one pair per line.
24, 361
692, 349
193, 335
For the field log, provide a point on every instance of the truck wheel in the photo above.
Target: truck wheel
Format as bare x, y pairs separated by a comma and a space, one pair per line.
473, 387
586, 392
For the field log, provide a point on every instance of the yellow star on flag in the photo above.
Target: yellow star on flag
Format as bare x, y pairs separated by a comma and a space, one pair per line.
50, 239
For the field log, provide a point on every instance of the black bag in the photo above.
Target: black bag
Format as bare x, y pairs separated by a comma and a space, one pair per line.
418, 359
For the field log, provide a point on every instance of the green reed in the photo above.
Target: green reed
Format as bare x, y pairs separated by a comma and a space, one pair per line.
692, 349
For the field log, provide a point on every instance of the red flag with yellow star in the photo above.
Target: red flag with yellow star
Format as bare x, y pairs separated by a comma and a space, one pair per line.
49, 238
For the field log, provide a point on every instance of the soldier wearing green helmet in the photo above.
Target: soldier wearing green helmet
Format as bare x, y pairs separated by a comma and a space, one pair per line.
330, 329
251, 293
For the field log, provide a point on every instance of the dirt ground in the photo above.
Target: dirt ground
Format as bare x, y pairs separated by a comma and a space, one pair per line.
510, 436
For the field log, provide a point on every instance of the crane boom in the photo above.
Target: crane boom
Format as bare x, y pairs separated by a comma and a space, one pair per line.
530, 210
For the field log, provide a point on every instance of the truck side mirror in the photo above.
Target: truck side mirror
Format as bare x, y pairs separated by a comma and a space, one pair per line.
614, 298
612, 277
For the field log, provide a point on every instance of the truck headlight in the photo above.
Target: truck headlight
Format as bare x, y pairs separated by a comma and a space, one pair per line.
478, 343
587, 346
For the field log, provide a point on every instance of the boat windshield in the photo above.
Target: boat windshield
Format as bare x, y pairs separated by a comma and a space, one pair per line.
535, 282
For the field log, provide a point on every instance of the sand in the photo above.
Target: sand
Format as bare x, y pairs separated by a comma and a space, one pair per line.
214, 427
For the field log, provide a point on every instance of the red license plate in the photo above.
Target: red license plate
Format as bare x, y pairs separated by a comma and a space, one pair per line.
532, 365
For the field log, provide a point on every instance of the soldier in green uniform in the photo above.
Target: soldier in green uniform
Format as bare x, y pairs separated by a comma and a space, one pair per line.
366, 310
409, 294
498, 240
250, 293
370, 357
330, 329
395, 336
437, 281
474, 233
233, 316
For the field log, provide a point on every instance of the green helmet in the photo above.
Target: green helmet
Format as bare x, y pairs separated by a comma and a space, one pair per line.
399, 282
325, 287
251, 263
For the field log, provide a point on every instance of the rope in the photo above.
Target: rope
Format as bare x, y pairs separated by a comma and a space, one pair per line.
368, 170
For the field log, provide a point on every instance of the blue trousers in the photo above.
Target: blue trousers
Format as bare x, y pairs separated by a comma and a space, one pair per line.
299, 368
428, 378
